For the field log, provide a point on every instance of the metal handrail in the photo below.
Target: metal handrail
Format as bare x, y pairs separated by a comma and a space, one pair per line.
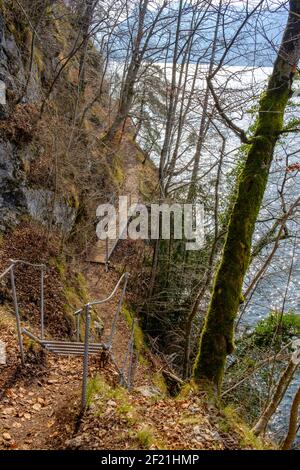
86, 308
6, 271
10, 270
19, 261
27, 263
87, 311
98, 302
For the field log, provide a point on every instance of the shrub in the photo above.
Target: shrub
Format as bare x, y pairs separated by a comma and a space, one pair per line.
277, 329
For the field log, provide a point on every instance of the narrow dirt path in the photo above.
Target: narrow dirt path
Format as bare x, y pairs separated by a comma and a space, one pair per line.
35, 397
39, 403
31, 413
131, 168
101, 283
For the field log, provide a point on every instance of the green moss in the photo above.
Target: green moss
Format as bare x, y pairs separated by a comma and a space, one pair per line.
232, 423
97, 386
117, 173
145, 437
128, 413
276, 328
61, 267
217, 338
139, 341
72, 297
83, 288
31, 346
124, 408
189, 389
75, 291
159, 382
188, 420
74, 287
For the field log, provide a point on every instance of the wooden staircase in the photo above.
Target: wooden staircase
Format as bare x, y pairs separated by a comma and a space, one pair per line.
103, 249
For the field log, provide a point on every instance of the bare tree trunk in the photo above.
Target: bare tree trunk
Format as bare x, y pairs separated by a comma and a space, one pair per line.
131, 76
172, 102
216, 340
204, 118
287, 444
281, 388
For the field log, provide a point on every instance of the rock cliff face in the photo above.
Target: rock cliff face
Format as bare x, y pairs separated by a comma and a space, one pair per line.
12, 179
27, 68
53, 166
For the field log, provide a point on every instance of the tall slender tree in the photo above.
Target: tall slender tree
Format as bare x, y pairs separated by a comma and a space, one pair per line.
140, 44
216, 340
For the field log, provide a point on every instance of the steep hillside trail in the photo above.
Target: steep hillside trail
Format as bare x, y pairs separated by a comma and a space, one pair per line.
39, 403
132, 170
100, 283
101, 251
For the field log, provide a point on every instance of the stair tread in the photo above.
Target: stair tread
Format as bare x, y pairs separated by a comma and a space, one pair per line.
68, 343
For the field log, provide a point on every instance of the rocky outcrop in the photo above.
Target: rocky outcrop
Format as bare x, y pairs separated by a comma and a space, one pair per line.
12, 198
38, 203
17, 197
12, 178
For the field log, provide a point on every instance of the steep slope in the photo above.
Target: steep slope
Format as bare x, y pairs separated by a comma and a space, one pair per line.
54, 171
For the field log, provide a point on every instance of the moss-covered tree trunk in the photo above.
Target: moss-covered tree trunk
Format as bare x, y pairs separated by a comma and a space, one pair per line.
217, 336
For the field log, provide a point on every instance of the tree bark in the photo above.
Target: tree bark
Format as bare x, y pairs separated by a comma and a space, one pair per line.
127, 92
281, 388
287, 444
216, 340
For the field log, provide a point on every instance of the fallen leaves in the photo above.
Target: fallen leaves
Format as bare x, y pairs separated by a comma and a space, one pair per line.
37, 407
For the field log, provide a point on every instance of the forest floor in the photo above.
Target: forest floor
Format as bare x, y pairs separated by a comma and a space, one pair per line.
40, 402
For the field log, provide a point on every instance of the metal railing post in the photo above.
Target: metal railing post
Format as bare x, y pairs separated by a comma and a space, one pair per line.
130, 366
16, 306
85, 358
115, 320
127, 356
78, 328
106, 254
42, 303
